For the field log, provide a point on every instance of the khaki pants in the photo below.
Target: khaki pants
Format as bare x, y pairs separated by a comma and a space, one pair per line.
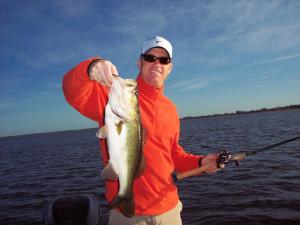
171, 217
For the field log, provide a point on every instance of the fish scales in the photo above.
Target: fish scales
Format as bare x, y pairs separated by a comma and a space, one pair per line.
123, 131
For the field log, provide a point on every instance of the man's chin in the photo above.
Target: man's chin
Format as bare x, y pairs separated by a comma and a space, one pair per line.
155, 76
154, 82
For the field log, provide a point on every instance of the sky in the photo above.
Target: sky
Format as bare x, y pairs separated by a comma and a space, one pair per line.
227, 55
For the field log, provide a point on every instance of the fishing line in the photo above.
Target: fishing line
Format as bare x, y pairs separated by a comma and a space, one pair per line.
272, 146
225, 157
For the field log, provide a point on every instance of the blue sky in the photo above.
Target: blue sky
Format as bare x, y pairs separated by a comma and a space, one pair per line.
228, 55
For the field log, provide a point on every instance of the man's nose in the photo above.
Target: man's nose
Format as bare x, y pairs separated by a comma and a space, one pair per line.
156, 61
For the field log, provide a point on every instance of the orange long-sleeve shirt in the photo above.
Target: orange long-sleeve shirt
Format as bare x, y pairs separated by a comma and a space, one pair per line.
154, 191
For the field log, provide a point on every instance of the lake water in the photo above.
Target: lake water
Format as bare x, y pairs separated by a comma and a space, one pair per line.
265, 189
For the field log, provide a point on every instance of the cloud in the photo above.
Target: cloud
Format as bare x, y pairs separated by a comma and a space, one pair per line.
295, 81
209, 30
249, 26
15, 99
74, 7
257, 79
272, 60
188, 85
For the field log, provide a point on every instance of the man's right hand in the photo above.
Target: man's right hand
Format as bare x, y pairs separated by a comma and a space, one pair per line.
102, 71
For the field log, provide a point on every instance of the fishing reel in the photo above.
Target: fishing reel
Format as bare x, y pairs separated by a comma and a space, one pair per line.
225, 157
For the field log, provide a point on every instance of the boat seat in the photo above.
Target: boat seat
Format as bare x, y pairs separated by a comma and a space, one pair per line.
73, 210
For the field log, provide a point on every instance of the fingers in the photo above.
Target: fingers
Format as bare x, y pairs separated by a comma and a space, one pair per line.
212, 168
102, 71
114, 70
211, 161
221, 166
109, 70
209, 158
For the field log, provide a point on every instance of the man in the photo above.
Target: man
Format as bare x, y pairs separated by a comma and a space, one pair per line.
86, 88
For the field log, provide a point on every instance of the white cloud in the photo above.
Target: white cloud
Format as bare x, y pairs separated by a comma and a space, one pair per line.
188, 85
73, 8
257, 79
295, 81
249, 26
13, 98
278, 59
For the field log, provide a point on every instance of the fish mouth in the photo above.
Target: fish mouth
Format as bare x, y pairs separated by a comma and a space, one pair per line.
122, 91
130, 83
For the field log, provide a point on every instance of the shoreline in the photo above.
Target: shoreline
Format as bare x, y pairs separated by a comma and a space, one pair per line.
239, 112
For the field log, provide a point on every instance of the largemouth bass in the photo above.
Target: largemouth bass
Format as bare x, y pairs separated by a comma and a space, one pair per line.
123, 131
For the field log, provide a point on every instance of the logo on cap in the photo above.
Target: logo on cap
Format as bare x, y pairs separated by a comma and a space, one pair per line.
157, 41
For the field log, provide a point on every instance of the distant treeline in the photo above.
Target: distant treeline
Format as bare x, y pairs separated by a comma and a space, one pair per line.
238, 112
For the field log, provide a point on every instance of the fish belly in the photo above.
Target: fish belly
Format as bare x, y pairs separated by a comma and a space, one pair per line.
123, 150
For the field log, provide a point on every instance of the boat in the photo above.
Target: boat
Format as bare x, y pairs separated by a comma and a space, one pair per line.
73, 210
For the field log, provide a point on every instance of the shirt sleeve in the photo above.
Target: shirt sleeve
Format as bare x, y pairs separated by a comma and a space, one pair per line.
182, 160
86, 96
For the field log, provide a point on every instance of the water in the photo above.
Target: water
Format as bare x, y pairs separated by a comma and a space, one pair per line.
265, 189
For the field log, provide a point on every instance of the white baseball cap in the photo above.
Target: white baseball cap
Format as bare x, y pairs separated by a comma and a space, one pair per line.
157, 42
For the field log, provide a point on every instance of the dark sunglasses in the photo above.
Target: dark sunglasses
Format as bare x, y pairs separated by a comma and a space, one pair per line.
152, 58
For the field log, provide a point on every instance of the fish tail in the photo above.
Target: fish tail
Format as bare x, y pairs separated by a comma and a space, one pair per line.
125, 204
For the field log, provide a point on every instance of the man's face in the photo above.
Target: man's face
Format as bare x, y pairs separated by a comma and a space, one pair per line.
154, 73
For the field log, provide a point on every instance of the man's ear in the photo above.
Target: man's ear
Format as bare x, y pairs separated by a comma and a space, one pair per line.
171, 67
139, 63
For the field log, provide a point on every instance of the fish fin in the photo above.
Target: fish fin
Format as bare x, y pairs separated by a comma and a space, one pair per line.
126, 205
142, 163
144, 135
102, 132
108, 173
119, 127
142, 167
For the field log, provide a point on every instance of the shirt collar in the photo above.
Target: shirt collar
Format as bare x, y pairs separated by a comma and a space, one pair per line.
147, 89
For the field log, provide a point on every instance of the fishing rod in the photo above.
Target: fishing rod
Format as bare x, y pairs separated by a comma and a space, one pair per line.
224, 157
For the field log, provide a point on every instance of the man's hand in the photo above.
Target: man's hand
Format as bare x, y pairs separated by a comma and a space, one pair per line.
211, 161
208, 165
102, 71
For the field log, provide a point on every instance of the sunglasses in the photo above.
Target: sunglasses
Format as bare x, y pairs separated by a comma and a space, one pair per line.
152, 58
